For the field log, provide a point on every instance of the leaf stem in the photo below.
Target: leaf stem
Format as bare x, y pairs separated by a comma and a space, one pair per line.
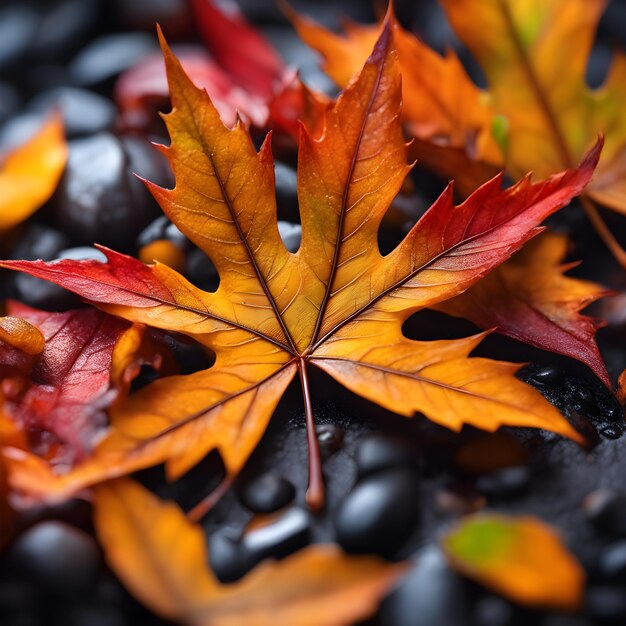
207, 503
603, 230
315, 490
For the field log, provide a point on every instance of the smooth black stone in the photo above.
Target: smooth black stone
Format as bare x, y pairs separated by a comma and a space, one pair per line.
189, 354
64, 28
606, 510
41, 294
94, 202
267, 493
154, 231
378, 453
379, 514
201, 271
613, 562
83, 253
18, 27
564, 620
607, 605
291, 234
228, 560
493, 611
286, 192
507, 482
45, 295
39, 242
162, 228
281, 537
9, 101
329, 438
431, 594
110, 55
84, 112
58, 558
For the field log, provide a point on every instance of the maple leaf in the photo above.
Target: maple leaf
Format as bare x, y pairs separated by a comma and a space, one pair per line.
519, 557
161, 557
61, 371
336, 304
449, 117
528, 298
536, 74
454, 123
30, 173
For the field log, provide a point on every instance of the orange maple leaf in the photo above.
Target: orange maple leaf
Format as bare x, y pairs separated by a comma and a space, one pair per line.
336, 304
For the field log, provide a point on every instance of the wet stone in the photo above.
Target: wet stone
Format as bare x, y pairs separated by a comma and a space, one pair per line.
161, 228
286, 191
18, 26
83, 112
329, 438
613, 562
379, 452
606, 510
228, 560
493, 611
379, 514
9, 101
19, 129
94, 202
279, 538
291, 234
606, 605
505, 483
108, 56
57, 557
40, 242
431, 594
201, 271
267, 493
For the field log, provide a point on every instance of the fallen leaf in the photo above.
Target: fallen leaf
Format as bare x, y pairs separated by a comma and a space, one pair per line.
242, 52
162, 559
62, 371
450, 117
529, 299
336, 304
535, 55
519, 557
29, 174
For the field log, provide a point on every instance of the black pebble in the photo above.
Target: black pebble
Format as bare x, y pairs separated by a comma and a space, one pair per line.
94, 202
379, 514
506, 482
281, 537
291, 234
228, 560
39, 242
18, 27
329, 438
493, 611
65, 26
267, 493
286, 192
607, 605
161, 228
58, 558
379, 452
9, 101
606, 510
108, 56
431, 594
201, 271
613, 562
84, 112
